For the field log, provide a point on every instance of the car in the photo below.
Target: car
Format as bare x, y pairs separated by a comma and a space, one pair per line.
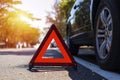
53, 44
96, 23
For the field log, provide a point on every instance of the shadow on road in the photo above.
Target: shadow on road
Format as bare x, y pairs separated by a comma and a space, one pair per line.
89, 58
83, 73
49, 53
12, 52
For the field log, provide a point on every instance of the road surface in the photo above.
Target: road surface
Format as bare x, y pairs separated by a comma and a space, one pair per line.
14, 66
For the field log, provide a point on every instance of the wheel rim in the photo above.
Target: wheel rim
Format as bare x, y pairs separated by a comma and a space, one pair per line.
104, 32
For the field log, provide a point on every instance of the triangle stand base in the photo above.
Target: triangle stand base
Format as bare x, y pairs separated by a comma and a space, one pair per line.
33, 68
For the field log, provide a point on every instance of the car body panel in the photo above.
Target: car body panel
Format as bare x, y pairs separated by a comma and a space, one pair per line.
79, 22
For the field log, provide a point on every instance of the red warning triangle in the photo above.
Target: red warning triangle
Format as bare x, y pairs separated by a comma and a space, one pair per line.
38, 59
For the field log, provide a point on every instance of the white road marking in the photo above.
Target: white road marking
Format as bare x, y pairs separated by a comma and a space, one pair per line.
95, 68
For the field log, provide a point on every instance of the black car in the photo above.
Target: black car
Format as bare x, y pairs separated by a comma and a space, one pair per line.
96, 23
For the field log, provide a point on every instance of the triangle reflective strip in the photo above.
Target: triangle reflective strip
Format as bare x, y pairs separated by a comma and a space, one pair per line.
38, 56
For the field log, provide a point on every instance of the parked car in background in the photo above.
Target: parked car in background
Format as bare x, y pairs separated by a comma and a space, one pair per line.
96, 23
53, 44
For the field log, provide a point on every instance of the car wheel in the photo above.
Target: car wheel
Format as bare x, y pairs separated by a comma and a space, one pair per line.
72, 47
107, 35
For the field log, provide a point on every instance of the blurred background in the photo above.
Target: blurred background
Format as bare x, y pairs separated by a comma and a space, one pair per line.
24, 23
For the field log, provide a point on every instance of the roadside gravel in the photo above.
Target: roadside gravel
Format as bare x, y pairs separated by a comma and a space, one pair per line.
14, 67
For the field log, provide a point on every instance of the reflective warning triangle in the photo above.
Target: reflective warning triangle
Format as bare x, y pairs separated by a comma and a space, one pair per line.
38, 59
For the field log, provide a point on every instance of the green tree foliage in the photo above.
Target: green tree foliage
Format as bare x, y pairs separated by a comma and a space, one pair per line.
61, 13
65, 7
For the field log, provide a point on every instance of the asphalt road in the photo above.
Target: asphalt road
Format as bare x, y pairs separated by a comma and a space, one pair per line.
14, 66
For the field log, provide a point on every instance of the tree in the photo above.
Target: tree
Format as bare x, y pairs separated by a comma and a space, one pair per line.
61, 13
5, 5
17, 30
12, 28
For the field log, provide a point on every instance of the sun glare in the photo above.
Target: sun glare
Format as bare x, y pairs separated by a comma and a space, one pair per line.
38, 8
24, 18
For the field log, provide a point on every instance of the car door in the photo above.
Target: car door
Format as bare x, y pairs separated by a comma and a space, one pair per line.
80, 17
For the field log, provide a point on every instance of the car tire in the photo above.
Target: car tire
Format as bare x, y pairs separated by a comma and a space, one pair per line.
71, 46
73, 49
107, 31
